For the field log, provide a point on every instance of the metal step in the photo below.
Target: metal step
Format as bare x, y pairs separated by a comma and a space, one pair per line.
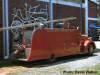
21, 59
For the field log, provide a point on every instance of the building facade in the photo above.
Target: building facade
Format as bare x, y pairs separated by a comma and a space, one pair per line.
86, 13
1, 33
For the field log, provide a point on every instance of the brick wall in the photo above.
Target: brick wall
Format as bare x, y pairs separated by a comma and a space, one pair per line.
61, 11
92, 9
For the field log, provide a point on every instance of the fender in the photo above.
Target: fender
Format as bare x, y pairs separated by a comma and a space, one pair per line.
85, 43
88, 41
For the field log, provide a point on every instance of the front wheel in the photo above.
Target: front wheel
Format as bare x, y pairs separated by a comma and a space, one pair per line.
90, 49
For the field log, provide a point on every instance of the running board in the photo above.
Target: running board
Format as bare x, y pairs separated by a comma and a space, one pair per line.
22, 59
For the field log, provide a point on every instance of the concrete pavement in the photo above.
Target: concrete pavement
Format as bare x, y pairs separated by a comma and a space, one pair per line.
97, 44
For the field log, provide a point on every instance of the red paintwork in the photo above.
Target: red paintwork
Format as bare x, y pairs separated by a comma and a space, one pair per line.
57, 42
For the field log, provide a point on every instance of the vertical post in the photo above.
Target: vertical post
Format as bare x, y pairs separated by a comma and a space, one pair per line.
81, 15
51, 13
6, 32
86, 17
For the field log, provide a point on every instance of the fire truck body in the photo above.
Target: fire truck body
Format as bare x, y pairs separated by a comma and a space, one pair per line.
45, 43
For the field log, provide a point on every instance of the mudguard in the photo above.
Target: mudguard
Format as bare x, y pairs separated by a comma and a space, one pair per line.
85, 43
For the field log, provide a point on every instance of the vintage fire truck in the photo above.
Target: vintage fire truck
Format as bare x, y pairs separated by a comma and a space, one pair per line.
49, 43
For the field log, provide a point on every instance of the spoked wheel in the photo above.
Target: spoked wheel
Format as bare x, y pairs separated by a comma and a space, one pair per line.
90, 49
13, 57
17, 54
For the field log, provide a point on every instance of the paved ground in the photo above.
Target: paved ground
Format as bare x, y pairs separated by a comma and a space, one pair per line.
55, 68
97, 44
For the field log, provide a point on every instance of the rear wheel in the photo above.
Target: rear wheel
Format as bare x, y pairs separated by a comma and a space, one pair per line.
52, 58
90, 49
12, 57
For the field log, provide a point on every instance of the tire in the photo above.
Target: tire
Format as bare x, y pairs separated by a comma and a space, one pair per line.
52, 58
90, 49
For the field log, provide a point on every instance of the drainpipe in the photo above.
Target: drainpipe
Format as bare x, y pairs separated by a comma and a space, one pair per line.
81, 15
51, 13
86, 17
5, 32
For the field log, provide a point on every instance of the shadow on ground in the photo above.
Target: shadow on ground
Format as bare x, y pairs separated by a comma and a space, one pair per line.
43, 63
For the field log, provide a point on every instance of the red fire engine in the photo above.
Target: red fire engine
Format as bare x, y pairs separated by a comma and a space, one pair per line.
47, 43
